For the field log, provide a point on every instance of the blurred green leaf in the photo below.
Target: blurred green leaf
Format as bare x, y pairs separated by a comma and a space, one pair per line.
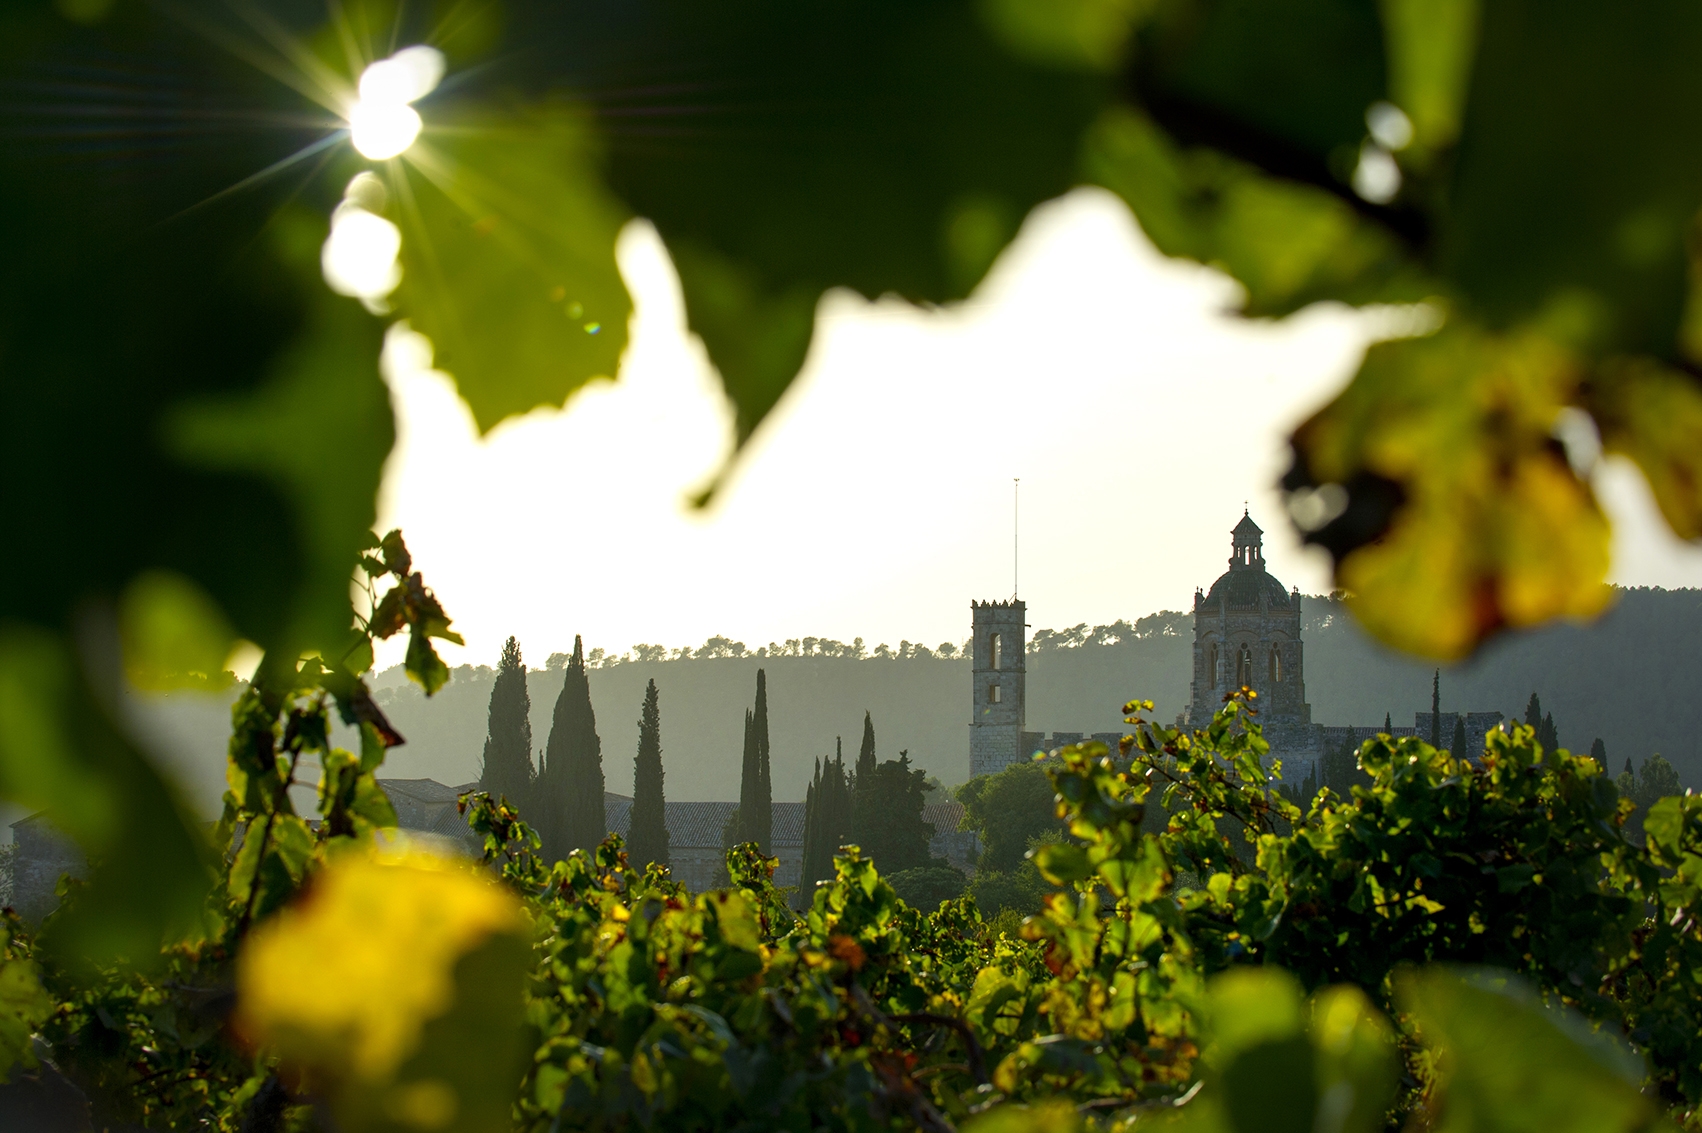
60, 753
1288, 243
24, 1007
1291, 81
1262, 1057
174, 634
1431, 44
1090, 34
1568, 201
319, 429
1511, 1064
508, 256
774, 182
1357, 1068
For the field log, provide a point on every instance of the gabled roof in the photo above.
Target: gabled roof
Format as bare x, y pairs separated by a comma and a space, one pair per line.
944, 816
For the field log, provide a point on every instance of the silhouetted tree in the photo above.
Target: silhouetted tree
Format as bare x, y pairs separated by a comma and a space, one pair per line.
1598, 752
647, 835
888, 818
863, 779
756, 794
572, 777
827, 819
506, 770
1388, 725
1533, 712
1460, 741
1547, 734
1436, 709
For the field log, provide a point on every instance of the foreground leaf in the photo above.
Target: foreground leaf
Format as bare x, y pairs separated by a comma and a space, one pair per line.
1509, 1063
508, 257
394, 984
1461, 514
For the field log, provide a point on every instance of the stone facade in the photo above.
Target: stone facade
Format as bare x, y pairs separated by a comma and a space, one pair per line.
42, 857
998, 685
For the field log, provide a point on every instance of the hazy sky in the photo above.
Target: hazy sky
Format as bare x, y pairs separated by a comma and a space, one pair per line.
876, 501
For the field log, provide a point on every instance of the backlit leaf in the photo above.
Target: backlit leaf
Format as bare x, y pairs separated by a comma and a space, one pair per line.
1493, 529
508, 256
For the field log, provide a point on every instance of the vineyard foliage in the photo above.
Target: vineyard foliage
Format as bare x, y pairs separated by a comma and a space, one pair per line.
1473, 943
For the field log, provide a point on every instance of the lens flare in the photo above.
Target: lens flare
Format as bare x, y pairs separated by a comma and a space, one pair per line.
382, 123
360, 256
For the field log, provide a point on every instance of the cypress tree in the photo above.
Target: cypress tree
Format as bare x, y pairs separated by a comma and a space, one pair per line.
1388, 725
756, 794
864, 804
1533, 712
1460, 740
762, 821
574, 817
1598, 752
506, 770
1548, 735
647, 836
1436, 709
810, 870
828, 821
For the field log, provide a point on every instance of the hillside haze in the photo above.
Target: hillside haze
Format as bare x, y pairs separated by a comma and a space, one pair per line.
1626, 678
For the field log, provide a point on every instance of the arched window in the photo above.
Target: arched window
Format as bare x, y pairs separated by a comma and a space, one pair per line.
994, 694
1244, 667
996, 650
1211, 667
1276, 666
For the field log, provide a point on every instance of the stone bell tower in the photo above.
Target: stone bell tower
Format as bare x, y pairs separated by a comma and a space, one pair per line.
998, 691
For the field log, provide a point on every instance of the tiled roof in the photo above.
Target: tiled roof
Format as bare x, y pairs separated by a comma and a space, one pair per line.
697, 824
944, 816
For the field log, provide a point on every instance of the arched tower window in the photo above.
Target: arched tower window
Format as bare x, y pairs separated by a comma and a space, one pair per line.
994, 694
996, 650
1211, 667
1276, 666
1244, 667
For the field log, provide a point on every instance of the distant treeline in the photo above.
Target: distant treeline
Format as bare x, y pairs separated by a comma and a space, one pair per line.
1629, 679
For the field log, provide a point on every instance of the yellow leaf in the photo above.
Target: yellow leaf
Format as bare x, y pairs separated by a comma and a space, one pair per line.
1494, 530
345, 980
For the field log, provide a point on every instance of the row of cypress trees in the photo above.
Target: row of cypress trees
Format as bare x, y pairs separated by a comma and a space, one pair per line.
562, 795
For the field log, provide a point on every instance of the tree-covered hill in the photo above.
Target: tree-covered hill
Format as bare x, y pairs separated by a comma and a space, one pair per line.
1626, 678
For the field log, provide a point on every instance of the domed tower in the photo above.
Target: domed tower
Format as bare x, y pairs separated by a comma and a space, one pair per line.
1247, 632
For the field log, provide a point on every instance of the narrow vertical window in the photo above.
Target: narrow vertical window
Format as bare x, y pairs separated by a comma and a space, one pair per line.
1276, 666
1244, 667
996, 650
1211, 668
994, 694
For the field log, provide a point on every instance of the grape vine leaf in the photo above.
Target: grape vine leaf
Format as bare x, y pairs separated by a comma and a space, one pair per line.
508, 256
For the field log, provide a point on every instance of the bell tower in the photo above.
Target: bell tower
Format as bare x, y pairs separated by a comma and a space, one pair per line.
998, 685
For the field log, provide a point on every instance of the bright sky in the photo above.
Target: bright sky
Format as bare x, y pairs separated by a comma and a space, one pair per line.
876, 502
